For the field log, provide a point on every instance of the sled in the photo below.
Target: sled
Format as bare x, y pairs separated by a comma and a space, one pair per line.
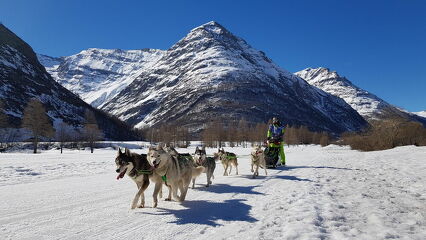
271, 156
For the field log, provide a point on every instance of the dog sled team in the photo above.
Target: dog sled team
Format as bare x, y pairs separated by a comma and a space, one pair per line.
164, 166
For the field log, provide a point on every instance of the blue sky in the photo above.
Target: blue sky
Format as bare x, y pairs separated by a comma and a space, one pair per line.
380, 45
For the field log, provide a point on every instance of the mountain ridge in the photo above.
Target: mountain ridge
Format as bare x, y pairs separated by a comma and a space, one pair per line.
211, 71
368, 105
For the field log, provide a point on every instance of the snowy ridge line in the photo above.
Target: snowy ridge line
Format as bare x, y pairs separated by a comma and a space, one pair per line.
97, 75
366, 104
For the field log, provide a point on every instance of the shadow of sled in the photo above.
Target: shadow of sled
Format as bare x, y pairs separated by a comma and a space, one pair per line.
207, 213
317, 167
292, 178
225, 188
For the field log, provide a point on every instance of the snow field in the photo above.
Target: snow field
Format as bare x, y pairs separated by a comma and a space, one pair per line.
323, 193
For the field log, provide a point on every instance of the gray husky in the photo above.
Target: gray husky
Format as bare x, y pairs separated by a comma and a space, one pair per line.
137, 167
201, 159
257, 160
176, 171
228, 159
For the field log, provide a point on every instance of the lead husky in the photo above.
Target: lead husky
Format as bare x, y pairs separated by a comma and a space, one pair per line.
200, 159
176, 171
257, 159
137, 167
228, 159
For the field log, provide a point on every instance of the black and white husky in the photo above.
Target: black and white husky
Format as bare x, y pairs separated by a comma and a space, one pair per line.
137, 167
209, 164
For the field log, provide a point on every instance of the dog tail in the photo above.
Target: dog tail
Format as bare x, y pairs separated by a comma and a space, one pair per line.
197, 171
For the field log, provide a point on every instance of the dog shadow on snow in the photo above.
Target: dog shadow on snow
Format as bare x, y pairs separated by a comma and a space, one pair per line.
208, 213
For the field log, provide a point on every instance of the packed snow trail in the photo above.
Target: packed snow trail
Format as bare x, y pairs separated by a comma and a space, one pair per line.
323, 193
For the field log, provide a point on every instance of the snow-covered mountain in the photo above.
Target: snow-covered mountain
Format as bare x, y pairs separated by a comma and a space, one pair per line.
366, 104
22, 77
421, 113
211, 74
97, 75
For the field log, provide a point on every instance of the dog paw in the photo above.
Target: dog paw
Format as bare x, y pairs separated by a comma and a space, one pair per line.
154, 205
168, 199
252, 170
141, 206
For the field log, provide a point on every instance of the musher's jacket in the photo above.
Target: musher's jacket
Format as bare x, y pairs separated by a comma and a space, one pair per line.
275, 132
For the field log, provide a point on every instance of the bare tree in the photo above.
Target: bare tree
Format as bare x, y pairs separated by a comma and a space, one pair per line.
3, 117
36, 120
324, 139
242, 133
63, 134
3, 125
91, 132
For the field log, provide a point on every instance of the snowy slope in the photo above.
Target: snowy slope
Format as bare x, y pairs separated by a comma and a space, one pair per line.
324, 193
421, 114
366, 104
97, 75
211, 73
50, 63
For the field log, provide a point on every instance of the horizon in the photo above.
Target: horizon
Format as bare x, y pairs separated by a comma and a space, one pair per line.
386, 60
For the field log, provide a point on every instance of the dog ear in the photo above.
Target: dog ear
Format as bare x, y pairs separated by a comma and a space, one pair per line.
196, 149
204, 148
127, 151
119, 151
159, 147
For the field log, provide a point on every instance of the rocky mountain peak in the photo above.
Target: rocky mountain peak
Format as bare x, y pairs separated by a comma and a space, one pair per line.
318, 74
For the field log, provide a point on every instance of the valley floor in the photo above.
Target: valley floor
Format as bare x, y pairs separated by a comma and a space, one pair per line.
323, 193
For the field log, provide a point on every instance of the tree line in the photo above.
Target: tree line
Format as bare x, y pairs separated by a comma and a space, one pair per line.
379, 135
387, 134
237, 133
37, 127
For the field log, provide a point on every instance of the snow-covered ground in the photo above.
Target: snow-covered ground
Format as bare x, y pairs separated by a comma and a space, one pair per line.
323, 193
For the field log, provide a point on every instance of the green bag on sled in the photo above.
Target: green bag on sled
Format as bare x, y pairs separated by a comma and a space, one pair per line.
271, 156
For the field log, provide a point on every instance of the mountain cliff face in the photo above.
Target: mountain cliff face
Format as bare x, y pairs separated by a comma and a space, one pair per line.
22, 77
213, 74
97, 75
366, 104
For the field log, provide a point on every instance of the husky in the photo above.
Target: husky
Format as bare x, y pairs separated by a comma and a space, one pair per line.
209, 164
175, 170
137, 167
257, 159
227, 159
